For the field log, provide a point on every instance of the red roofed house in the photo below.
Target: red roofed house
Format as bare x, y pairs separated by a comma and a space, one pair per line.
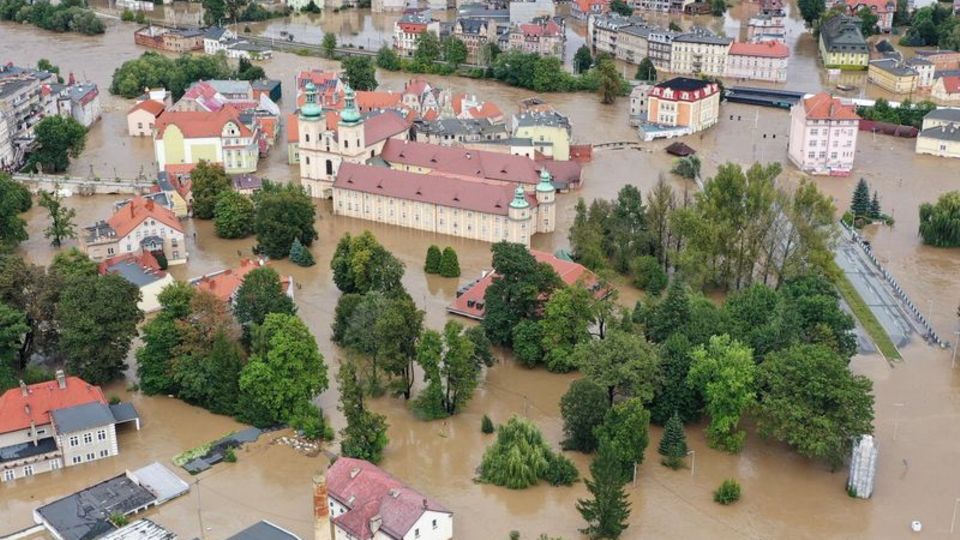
142, 270
55, 424
409, 28
457, 205
583, 9
683, 102
186, 138
470, 299
137, 226
883, 9
327, 140
823, 135
225, 283
143, 117
367, 503
543, 36
763, 61
946, 89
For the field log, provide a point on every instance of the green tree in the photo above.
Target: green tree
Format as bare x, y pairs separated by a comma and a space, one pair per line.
519, 458
329, 45
486, 425
449, 264
98, 318
811, 401
361, 264
718, 7
622, 362
728, 492
365, 435
13, 330
673, 445
687, 167
346, 306
646, 71
454, 51
673, 395
527, 337
517, 290
299, 255
482, 348
61, 217
14, 200
46, 65
724, 372
754, 317
868, 21
587, 234
208, 182
432, 264
360, 72
566, 322
582, 60
620, 7
583, 408
161, 337
214, 12
608, 511
246, 71
285, 370
427, 50
282, 213
233, 215
58, 139
811, 313
388, 59
450, 370
624, 434
611, 82
260, 294
940, 222
811, 10
671, 315
875, 210
861, 200
648, 275
396, 330
175, 74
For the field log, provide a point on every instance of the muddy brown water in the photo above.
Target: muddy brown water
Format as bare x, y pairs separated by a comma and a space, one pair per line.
785, 496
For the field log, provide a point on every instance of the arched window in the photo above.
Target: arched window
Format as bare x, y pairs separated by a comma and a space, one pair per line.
329, 166
307, 137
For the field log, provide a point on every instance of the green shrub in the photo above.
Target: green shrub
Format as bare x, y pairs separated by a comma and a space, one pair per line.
514, 535
432, 263
300, 255
728, 492
230, 456
127, 15
561, 471
114, 400
486, 425
118, 519
449, 264
648, 275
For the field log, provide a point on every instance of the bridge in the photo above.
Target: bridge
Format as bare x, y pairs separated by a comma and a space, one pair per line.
77, 185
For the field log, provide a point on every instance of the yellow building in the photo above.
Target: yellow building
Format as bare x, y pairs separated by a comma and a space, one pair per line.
683, 102
842, 44
700, 52
445, 204
551, 130
186, 138
892, 76
940, 135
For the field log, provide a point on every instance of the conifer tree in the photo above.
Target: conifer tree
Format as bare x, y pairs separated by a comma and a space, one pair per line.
607, 512
875, 206
449, 264
673, 445
300, 255
672, 315
432, 264
860, 206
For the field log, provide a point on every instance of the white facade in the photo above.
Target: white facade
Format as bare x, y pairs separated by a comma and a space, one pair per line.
822, 145
760, 68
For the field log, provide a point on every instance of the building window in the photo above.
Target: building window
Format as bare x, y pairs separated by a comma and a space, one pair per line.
307, 158
102, 435
307, 136
9, 475
87, 438
55, 464
329, 167
74, 441
434, 524
77, 459
416, 533
104, 453
91, 456
28, 470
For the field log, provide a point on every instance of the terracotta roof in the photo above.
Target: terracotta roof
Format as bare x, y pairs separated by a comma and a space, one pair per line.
17, 410
485, 110
202, 124
766, 49
225, 283
293, 127
430, 115
440, 189
383, 126
951, 85
468, 163
823, 106
471, 302
368, 491
153, 107
584, 5
144, 259
551, 28
416, 86
124, 220
378, 100
179, 169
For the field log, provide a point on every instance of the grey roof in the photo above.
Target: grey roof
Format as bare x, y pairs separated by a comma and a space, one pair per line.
247, 46
945, 132
548, 118
702, 35
82, 417
161, 481
949, 114
457, 126
17, 452
842, 34
142, 529
129, 270
85, 514
124, 412
917, 61
227, 86
264, 530
247, 181
472, 26
78, 91
214, 32
482, 11
893, 66
100, 229
265, 84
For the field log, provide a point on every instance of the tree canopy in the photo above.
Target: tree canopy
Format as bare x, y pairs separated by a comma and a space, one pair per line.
361, 264
66, 16
940, 222
360, 72
208, 181
519, 458
517, 290
583, 408
58, 138
282, 212
724, 372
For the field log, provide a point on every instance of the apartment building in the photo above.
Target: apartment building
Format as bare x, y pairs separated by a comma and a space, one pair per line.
765, 61
699, 52
823, 135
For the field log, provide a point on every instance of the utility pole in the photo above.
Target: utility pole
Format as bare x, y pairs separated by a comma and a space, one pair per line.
693, 461
200, 511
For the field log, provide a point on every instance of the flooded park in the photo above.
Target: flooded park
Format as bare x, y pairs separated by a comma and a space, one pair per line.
785, 496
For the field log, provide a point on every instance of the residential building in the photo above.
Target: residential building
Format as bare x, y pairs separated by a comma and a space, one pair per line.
940, 134
764, 61
177, 40
470, 298
186, 138
583, 9
214, 38
603, 30
247, 184
264, 530
883, 9
660, 6
552, 128
142, 270
842, 44
224, 284
408, 29
699, 52
327, 138
271, 88
142, 529
452, 131
142, 118
476, 34
823, 135
21, 108
892, 75
691, 104
524, 11
946, 89
764, 27
361, 501
544, 36
381, 6
55, 424
925, 71
638, 103
7, 153
176, 193
80, 101
139, 226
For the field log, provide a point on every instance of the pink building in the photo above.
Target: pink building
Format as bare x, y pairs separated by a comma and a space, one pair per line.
766, 61
823, 135
883, 9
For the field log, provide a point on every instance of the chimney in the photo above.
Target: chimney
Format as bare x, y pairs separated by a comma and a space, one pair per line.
375, 523
131, 205
424, 503
322, 527
61, 379
354, 472
150, 204
23, 388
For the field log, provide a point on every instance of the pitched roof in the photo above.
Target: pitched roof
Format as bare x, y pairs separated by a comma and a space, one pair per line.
368, 491
951, 114
264, 530
136, 211
378, 100
140, 270
82, 417
224, 284
945, 132
823, 106
383, 126
293, 127
202, 124
17, 410
485, 110
951, 84
459, 192
843, 34
153, 107
765, 49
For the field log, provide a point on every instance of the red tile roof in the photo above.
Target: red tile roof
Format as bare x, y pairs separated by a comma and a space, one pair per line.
485, 110
765, 49
951, 84
124, 220
368, 491
383, 126
179, 169
551, 28
378, 100
570, 272
145, 259
585, 5
823, 106
293, 127
225, 283
202, 124
416, 86
153, 107
17, 410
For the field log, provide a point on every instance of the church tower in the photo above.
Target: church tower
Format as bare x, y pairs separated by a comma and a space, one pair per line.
546, 207
310, 127
350, 129
518, 218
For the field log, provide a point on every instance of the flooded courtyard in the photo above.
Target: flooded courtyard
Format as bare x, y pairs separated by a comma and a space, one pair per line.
785, 496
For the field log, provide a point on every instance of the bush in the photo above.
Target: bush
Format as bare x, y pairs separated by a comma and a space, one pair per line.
127, 15
727, 493
561, 471
119, 520
486, 425
432, 263
519, 458
114, 400
449, 264
300, 255
230, 456
648, 275
514, 535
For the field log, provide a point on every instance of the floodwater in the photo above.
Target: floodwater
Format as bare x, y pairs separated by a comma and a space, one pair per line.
785, 496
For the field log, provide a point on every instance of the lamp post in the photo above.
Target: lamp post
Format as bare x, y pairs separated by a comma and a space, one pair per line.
693, 461
953, 362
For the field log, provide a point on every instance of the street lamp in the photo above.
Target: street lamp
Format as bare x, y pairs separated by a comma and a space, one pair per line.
953, 362
693, 461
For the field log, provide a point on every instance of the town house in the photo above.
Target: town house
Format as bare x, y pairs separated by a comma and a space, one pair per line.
137, 226
823, 135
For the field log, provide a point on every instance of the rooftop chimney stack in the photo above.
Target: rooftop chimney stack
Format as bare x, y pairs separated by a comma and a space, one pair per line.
23, 388
61, 379
322, 527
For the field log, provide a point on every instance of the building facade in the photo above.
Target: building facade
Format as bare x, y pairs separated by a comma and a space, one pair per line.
946, 89
177, 40
892, 76
543, 36
545, 127
883, 9
138, 226
476, 34
186, 138
823, 135
142, 118
700, 52
584, 9
940, 135
842, 44
683, 102
408, 29
766, 61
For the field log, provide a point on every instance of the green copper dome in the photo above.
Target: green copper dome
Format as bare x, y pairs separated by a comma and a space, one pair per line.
311, 110
350, 114
545, 185
519, 199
